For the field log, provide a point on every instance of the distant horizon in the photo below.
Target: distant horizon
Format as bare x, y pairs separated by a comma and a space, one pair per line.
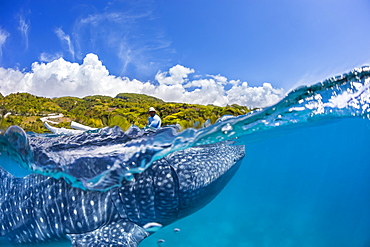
93, 95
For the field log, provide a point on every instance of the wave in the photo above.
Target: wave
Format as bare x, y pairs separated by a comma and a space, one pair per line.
102, 159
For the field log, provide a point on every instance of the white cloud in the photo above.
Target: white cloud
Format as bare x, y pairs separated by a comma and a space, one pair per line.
266, 95
124, 36
63, 78
219, 78
177, 75
66, 40
3, 36
47, 57
23, 28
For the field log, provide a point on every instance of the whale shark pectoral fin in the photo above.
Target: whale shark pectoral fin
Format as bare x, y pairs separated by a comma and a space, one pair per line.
120, 233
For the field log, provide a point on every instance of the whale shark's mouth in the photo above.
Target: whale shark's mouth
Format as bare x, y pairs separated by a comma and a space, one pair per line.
202, 172
205, 163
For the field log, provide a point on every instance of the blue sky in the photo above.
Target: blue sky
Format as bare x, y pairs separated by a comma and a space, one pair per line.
216, 46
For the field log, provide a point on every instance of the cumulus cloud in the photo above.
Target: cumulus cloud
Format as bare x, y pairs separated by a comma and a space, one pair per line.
63, 78
177, 75
3, 36
66, 41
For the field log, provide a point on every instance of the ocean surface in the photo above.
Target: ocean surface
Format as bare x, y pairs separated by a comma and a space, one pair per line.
305, 180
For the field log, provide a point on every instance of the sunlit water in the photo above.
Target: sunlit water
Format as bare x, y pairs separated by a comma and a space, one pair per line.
305, 180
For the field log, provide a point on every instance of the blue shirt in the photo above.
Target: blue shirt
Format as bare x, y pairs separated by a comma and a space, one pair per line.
154, 122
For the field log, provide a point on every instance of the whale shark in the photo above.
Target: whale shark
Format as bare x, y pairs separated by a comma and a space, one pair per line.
39, 208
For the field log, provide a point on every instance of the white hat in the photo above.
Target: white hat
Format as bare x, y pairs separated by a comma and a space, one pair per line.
151, 109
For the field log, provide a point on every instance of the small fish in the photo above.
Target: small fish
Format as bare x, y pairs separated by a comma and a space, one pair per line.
152, 227
177, 230
160, 242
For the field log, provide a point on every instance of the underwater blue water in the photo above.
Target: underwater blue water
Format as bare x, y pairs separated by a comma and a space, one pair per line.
308, 187
305, 180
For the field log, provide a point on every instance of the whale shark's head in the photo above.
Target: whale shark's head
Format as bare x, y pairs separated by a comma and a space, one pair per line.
202, 172
180, 183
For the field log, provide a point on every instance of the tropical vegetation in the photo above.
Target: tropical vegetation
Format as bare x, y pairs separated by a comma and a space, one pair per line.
124, 110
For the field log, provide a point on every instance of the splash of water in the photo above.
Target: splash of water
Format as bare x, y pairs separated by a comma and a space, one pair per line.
100, 160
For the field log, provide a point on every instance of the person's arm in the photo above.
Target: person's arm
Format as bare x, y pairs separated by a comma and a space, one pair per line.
156, 122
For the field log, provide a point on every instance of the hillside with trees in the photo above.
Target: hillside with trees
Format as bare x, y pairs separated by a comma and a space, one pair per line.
99, 111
